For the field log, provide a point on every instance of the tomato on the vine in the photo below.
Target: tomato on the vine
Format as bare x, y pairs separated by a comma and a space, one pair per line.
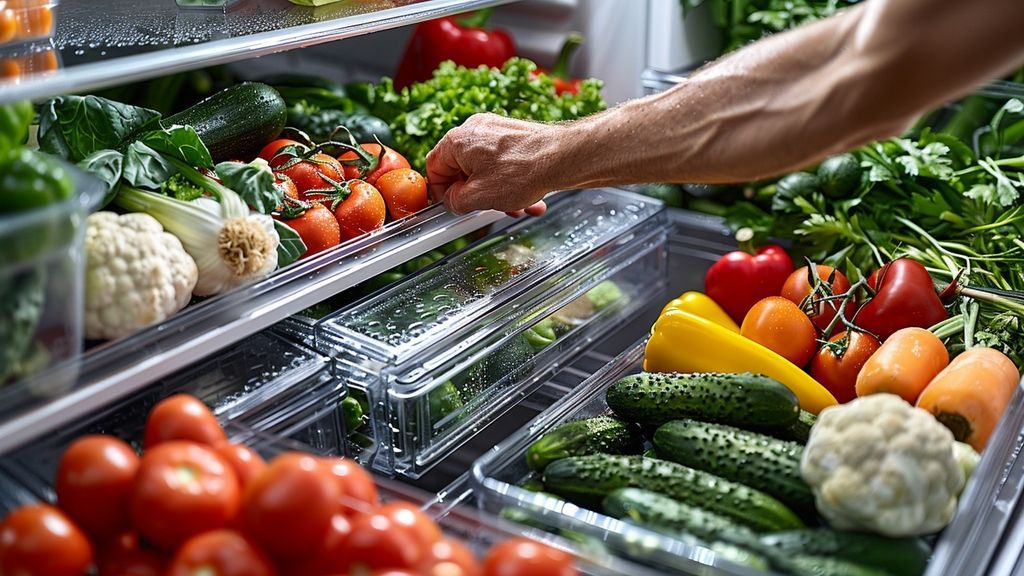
183, 489
837, 363
40, 539
524, 557
362, 210
220, 553
357, 490
404, 192
246, 463
376, 162
94, 483
780, 325
317, 227
797, 288
182, 417
273, 148
288, 508
318, 172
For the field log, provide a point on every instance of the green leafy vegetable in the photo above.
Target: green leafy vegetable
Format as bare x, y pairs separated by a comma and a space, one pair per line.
75, 127
181, 188
254, 182
179, 142
145, 167
290, 246
14, 122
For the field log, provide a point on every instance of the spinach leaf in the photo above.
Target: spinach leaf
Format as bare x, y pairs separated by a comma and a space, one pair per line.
14, 121
145, 167
74, 127
179, 142
290, 246
253, 182
107, 165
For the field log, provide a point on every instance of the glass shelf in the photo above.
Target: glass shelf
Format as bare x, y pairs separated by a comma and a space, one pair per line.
72, 390
102, 43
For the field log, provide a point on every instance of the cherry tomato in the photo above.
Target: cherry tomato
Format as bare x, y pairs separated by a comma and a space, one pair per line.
361, 212
837, 363
318, 173
376, 542
246, 463
40, 22
270, 150
9, 68
183, 489
220, 553
797, 288
411, 517
318, 229
523, 557
182, 417
39, 540
125, 557
356, 487
404, 192
379, 166
779, 325
288, 508
450, 558
94, 481
8, 25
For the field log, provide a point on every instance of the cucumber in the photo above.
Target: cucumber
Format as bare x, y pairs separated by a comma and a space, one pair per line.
799, 431
898, 556
236, 122
587, 480
601, 434
664, 514
826, 566
761, 462
742, 400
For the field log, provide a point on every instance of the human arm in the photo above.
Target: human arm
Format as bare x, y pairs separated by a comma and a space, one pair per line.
774, 106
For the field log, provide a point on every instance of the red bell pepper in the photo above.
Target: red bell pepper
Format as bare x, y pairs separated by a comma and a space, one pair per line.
904, 297
739, 279
464, 40
559, 73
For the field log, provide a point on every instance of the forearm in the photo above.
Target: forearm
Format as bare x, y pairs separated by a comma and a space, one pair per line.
797, 97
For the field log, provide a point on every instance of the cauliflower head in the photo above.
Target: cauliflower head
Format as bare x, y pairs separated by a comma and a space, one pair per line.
880, 465
136, 274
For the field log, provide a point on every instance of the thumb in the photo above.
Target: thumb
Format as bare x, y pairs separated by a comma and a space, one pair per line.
456, 199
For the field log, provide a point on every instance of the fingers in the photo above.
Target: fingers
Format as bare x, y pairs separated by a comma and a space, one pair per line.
453, 198
537, 209
443, 168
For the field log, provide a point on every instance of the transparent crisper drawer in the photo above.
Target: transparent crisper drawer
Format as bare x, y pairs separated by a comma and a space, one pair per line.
451, 347
265, 382
964, 548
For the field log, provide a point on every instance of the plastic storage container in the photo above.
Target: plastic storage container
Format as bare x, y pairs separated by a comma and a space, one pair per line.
963, 548
26, 20
265, 382
42, 271
448, 349
35, 59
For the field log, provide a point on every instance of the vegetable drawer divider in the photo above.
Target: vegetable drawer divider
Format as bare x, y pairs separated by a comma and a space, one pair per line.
447, 349
964, 548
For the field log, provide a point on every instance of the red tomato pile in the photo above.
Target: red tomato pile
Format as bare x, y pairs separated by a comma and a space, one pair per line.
195, 504
794, 312
330, 200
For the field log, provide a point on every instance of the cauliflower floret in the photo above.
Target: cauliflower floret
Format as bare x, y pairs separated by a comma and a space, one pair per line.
878, 464
135, 274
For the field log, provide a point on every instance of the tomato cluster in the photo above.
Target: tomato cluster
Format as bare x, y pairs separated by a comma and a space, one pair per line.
194, 503
337, 199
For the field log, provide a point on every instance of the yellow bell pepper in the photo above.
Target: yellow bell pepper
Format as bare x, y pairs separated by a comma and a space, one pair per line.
685, 342
702, 305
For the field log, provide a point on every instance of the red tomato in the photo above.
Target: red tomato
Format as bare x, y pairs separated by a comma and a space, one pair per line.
361, 212
287, 187
182, 417
738, 280
40, 540
183, 489
779, 325
376, 542
450, 558
837, 363
220, 553
404, 192
318, 229
288, 508
270, 150
379, 165
246, 463
411, 517
125, 557
524, 557
318, 173
330, 554
94, 481
356, 487
797, 288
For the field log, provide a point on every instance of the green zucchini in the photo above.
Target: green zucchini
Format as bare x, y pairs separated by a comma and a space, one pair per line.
587, 480
898, 556
761, 462
601, 434
236, 122
742, 400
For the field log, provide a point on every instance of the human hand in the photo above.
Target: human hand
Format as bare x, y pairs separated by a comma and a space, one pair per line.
493, 162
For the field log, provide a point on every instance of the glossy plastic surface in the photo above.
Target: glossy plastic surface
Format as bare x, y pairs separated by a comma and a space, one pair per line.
25, 21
